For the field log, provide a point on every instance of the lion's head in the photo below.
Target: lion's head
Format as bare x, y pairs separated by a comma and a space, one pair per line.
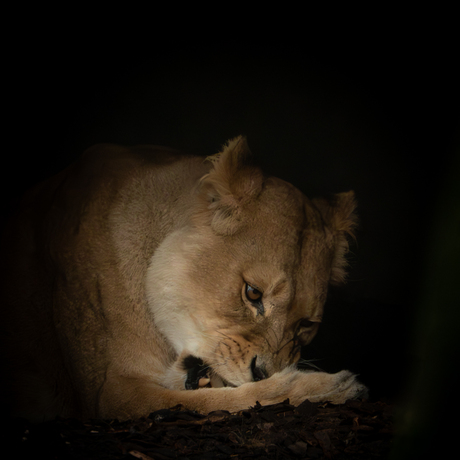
242, 285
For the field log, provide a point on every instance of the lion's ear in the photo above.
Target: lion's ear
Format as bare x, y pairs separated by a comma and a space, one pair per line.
231, 182
339, 215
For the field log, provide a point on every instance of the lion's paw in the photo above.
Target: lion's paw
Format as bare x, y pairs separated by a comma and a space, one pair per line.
315, 386
343, 386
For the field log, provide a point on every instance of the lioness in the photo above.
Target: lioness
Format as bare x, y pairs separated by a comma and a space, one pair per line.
138, 273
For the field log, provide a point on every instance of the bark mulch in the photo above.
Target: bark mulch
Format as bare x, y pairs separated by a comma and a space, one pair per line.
354, 430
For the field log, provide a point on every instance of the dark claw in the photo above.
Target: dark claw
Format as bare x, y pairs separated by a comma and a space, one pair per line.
196, 370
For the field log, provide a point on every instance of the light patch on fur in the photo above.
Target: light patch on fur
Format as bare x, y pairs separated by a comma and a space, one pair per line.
168, 299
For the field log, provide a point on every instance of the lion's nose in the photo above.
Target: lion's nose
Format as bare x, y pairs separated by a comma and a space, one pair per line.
257, 372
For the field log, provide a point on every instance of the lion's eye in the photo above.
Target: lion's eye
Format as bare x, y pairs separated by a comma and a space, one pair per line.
252, 294
306, 323
255, 297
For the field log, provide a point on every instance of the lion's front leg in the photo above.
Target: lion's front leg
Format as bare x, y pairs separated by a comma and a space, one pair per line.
138, 397
295, 385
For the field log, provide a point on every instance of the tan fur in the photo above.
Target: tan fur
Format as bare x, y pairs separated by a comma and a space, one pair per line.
134, 258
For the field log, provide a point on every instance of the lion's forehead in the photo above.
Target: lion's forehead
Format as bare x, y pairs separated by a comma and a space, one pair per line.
284, 225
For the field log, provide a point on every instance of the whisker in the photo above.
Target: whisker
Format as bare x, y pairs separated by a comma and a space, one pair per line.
304, 363
224, 335
287, 343
270, 346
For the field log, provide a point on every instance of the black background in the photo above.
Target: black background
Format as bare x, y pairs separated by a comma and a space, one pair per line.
374, 111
